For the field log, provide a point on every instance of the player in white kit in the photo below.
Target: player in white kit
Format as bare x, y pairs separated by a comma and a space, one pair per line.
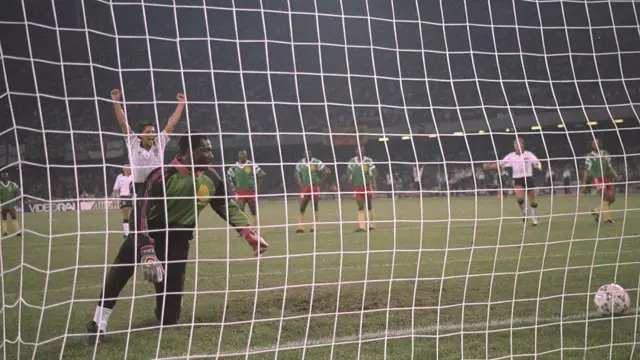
522, 163
123, 190
146, 149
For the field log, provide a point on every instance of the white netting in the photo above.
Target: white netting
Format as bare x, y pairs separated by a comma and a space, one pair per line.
433, 89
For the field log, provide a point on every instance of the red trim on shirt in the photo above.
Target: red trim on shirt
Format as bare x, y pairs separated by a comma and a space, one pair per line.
182, 168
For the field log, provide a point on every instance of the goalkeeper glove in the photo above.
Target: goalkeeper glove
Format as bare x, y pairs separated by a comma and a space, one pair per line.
152, 270
256, 242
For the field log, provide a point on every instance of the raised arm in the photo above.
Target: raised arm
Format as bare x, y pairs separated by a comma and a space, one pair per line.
177, 114
116, 96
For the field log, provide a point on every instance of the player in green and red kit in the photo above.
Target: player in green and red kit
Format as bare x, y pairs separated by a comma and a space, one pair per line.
362, 174
310, 173
173, 197
598, 169
245, 177
9, 195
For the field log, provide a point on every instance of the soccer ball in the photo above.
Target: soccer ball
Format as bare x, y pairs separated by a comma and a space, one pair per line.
611, 299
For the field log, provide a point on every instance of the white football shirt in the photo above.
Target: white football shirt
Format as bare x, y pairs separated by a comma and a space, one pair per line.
124, 185
144, 161
520, 164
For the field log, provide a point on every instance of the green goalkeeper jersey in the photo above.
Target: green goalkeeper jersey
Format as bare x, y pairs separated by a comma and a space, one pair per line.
309, 171
598, 165
243, 175
173, 198
9, 193
362, 171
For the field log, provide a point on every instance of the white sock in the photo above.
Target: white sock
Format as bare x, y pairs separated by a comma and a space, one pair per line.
534, 212
125, 227
101, 317
523, 210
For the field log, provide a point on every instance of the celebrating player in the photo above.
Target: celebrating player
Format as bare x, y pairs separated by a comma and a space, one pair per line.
166, 221
598, 168
123, 189
521, 162
245, 177
310, 173
146, 150
9, 194
362, 173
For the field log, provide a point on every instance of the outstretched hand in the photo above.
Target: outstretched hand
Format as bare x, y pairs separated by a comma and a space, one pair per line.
257, 243
180, 97
116, 95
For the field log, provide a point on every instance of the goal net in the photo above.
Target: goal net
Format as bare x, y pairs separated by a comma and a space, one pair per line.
429, 90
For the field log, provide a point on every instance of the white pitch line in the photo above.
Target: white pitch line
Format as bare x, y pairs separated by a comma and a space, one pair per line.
405, 333
334, 268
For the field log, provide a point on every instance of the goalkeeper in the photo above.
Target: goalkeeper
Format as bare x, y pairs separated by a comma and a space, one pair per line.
166, 218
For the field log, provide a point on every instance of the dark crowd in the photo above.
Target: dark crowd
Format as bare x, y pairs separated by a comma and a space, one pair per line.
277, 77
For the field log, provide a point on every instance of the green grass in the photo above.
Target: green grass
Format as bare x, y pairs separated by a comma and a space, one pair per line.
468, 282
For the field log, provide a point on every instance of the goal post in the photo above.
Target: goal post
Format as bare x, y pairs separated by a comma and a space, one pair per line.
437, 263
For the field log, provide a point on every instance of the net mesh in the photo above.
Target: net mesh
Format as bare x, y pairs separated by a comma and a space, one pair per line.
431, 90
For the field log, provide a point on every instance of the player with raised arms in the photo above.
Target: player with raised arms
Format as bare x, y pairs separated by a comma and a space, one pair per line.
598, 169
245, 177
9, 195
166, 222
362, 174
309, 173
146, 149
522, 162
123, 190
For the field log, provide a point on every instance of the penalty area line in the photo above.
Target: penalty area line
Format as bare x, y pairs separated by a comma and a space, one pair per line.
432, 330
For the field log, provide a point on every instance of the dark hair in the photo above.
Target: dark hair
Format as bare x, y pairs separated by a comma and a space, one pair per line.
143, 126
191, 142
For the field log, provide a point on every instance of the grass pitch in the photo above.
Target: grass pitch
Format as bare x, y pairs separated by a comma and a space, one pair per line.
470, 281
